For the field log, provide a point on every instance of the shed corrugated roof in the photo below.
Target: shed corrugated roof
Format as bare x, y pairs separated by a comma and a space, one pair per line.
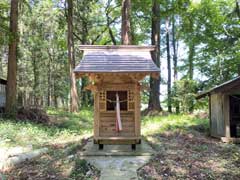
114, 59
227, 86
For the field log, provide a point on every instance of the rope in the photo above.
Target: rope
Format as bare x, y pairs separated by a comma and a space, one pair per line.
111, 101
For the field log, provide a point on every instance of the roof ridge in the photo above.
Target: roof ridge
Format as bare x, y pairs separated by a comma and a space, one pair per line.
117, 47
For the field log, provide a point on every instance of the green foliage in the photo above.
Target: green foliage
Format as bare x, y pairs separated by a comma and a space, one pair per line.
213, 28
80, 169
4, 30
183, 94
207, 31
42, 63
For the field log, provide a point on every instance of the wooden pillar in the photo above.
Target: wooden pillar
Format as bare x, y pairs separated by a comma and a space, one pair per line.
137, 111
96, 114
210, 114
226, 111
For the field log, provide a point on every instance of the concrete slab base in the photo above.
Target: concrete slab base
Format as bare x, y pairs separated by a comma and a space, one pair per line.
118, 162
118, 167
91, 149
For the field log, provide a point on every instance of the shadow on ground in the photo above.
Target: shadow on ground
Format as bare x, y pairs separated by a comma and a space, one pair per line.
191, 155
61, 162
64, 136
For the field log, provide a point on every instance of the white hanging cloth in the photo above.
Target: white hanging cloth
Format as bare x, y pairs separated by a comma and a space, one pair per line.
118, 117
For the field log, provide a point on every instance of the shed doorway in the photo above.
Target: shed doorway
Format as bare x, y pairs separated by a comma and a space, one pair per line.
235, 115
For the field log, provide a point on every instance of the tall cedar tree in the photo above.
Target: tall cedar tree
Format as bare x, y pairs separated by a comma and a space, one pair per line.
154, 101
12, 61
191, 54
126, 28
169, 82
71, 60
175, 58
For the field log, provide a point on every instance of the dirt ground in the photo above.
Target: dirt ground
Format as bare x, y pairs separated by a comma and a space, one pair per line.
59, 163
192, 155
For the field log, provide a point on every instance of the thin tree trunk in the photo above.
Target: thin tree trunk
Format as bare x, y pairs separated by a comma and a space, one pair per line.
169, 99
126, 28
71, 60
191, 69
35, 77
190, 60
49, 94
12, 61
175, 59
238, 8
1, 62
110, 30
154, 97
49, 83
111, 35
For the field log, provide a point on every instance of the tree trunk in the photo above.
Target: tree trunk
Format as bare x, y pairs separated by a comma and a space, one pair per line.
71, 60
34, 77
175, 59
154, 100
191, 69
12, 61
238, 8
49, 94
169, 82
126, 28
110, 30
1, 62
190, 60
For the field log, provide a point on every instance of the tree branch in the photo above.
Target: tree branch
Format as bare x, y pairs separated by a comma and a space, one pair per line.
76, 36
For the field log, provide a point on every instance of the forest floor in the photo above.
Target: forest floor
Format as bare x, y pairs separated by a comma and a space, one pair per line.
64, 136
185, 150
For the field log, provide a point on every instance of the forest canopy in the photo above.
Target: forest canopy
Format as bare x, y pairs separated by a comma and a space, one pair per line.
199, 46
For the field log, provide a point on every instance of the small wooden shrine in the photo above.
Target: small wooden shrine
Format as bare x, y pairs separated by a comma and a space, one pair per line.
114, 73
224, 110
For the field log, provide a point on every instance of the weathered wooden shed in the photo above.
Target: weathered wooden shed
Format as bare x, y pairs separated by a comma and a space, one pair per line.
224, 110
114, 73
3, 84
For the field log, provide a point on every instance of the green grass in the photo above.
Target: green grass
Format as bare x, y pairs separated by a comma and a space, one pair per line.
65, 128
159, 124
70, 127
64, 136
180, 140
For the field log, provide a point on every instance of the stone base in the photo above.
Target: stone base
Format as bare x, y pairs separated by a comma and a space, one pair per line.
91, 149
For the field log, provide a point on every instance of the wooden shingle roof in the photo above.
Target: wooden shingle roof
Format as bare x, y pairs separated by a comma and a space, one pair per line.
116, 59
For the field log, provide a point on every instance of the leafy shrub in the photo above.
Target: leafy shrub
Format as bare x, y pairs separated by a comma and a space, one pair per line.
183, 95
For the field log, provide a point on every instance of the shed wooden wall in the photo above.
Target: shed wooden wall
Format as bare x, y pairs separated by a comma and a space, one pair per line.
217, 125
2, 95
